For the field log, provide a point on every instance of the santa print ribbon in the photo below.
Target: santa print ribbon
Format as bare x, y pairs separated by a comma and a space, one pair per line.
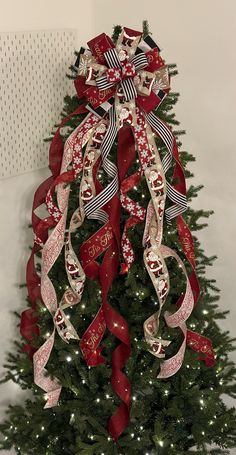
122, 85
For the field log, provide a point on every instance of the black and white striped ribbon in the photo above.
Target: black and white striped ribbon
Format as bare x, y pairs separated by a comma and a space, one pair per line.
140, 61
101, 110
94, 208
179, 199
146, 45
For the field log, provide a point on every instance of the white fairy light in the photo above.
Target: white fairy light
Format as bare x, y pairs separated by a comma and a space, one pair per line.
211, 422
141, 428
135, 188
109, 438
68, 358
161, 443
98, 400
172, 445
83, 306
42, 428
6, 437
187, 366
91, 437
76, 352
115, 324
201, 402
37, 436
134, 398
166, 392
204, 312
138, 438
83, 381
150, 382
107, 396
203, 433
132, 435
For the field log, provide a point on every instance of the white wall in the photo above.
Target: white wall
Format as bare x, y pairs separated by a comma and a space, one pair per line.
200, 37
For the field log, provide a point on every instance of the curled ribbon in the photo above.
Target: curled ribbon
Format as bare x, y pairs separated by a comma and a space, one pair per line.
122, 85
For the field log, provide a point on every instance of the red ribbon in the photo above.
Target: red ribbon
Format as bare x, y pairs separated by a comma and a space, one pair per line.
28, 324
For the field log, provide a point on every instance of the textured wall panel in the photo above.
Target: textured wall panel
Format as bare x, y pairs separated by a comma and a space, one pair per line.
32, 86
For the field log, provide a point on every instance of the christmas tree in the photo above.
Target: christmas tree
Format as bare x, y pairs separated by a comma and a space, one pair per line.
112, 392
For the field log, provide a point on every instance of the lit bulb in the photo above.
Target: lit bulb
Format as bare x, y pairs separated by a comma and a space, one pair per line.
98, 400
68, 358
161, 443
42, 428
134, 398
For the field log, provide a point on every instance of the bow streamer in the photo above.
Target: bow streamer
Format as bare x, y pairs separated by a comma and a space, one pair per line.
119, 86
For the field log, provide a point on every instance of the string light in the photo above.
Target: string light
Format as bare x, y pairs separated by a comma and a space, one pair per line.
204, 312
211, 422
138, 438
68, 358
161, 443
98, 400
83, 306
134, 398
83, 381
132, 435
42, 428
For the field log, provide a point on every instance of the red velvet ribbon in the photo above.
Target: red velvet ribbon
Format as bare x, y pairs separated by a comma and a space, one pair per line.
107, 239
195, 341
28, 323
